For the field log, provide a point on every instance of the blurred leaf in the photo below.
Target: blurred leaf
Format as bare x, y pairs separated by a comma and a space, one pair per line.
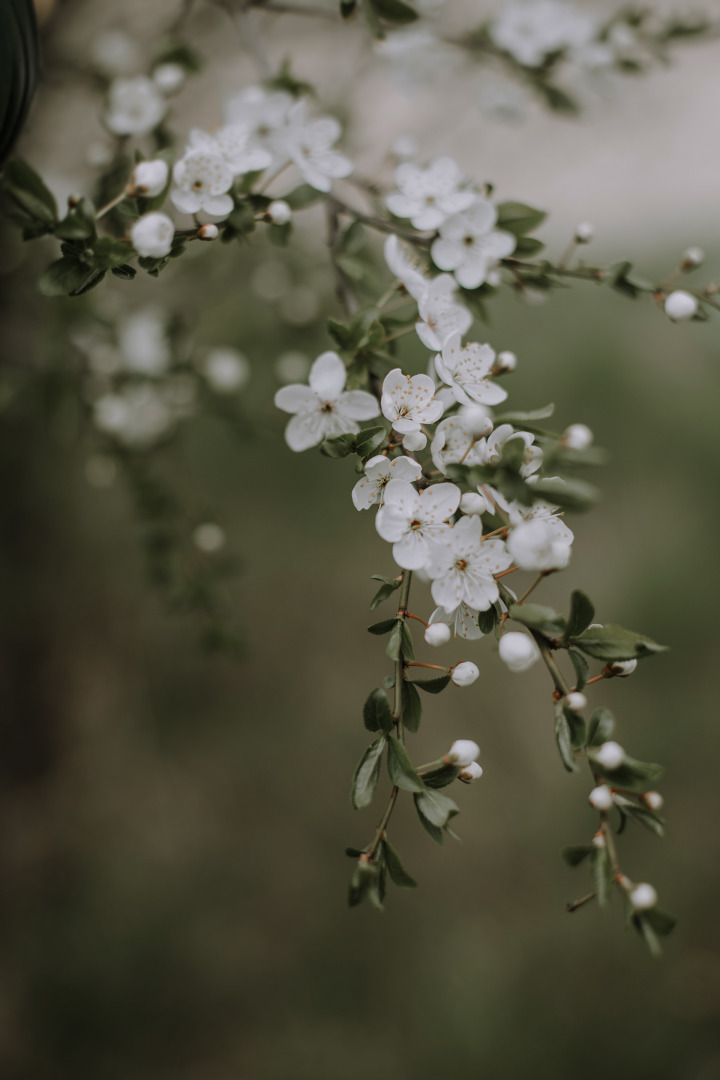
575, 854
435, 808
377, 714
581, 667
64, 277
631, 774
411, 707
602, 725
408, 652
338, 446
518, 218
582, 613
525, 417
364, 877
395, 11
367, 774
611, 642
568, 494
383, 627
402, 771
563, 739
602, 875
79, 223
28, 190
432, 686
397, 871
538, 617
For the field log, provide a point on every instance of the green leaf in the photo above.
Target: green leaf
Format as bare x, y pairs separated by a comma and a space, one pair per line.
582, 669
347, 7
377, 714
124, 272
488, 620
28, 190
79, 223
525, 417
602, 725
527, 246
568, 494
395, 11
577, 728
384, 592
393, 649
341, 334
631, 774
338, 446
411, 706
645, 928
367, 774
556, 99
563, 739
538, 617
519, 219
64, 277
582, 613
575, 854
402, 771
436, 808
611, 642
364, 878
353, 239
397, 871
661, 922
407, 641
369, 441
109, 253
383, 627
602, 875
441, 776
432, 686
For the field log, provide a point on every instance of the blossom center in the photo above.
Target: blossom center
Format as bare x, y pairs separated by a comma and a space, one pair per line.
461, 564
327, 407
415, 525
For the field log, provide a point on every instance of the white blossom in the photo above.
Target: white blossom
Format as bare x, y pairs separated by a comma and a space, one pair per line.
473, 503
169, 78
437, 633
152, 235
440, 315
135, 106
463, 752
462, 622
575, 701
409, 401
601, 797
279, 212
518, 651
113, 52
507, 361
208, 232
410, 521
324, 408
610, 755
462, 566
643, 897
468, 372
202, 179
577, 437
263, 114
149, 178
653, 800
226, 370
623, 668
429, 196
138, 415
234, 144
453, 443
464, 674
530, 30
585, 232
308, 143
470, 246
491, 448
680, 306
470, 772
402, 263
379, 471
692, 257
534, 546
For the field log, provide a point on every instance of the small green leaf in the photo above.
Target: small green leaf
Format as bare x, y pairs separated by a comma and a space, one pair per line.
347, 7
538, 617
383, 627
402, 771
575, 854
661, 922
645, 928
369, 441
568, 494
338, 446
109, 253
29, 191
79, 223
576, 727
397, 871
631, 774
436, 808
393, 649
488, 620
64, 277
377, 714
367, 774
441, 777
518, 218
581, 667
525, 417
611, 642
364, 878
582, 613
432, 686
407, 642
411, 707
602, 725
563, 739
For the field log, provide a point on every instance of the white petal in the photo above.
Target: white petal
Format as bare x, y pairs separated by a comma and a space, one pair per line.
305, 430
448, 254
404, 468
358, 404
391, 523
439, 502
411, 551
296, 398
328, 377
218, 205
365, 493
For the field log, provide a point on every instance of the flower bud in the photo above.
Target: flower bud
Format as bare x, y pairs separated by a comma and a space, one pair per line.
680, 306
518, 651
209, 538
585, 232
610, 755
599, 840
643, 897
473, 503
414, 440
169, 78
575, 701
152, 235
279, 212
507, 361
653, 800
694, 256
463, 753
577, 437
476, 421
149, 178
601, 797
437, 633
623, 668
464, 674
471, 772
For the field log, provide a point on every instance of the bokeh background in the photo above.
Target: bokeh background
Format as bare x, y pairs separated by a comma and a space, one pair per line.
172, 825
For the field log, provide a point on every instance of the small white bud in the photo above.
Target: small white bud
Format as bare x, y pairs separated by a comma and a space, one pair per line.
279, 212
437, 633
152, 235
463, 752
610, 755
653, 800
577, 437
473, 503
209, 538
476, 421
507, 361
208, 232
575, 701
643, 897
149, 178
599, 840
226, 370
471, 772
694, 256
680, 306
494, 278
169, 78
414, 440
464, 674
601, 797
518, 651
584, 232
623, 668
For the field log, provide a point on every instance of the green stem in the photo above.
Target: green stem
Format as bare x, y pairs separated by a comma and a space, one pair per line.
556, 674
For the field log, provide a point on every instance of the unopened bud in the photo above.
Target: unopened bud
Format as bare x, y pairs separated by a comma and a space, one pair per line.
610, 755
584, 232
518, 651
577, 437
414, 440
507, 361
680, 306
599, 840
149, 178
209, 538
437, 633
208, 232
464, 674
169, 78
643, 897
473, 503
694, 256
653, 800
279, 212
463, 753
623, 668
476, 421
601, 797
575, 701
471, 772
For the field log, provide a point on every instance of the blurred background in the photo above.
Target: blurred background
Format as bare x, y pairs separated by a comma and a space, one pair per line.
172, 825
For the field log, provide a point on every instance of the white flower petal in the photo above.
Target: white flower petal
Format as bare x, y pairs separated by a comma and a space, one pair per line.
328, 377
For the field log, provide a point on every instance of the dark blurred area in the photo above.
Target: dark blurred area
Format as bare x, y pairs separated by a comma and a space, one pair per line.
172, 825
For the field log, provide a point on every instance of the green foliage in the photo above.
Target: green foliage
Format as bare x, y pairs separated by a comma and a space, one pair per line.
401, 769
517, 218
612, 642
367, 774
377, 714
